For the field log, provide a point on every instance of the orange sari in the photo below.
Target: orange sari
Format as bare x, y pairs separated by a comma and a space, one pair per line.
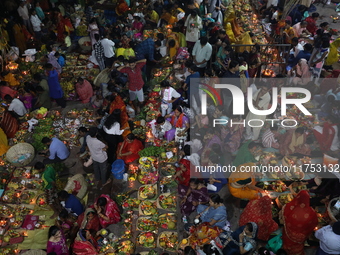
299, 222
118, 103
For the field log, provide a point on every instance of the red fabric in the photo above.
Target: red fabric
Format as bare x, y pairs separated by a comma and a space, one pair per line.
299, 223
118, 103
260, 212
179, 123
135, 76
135, 147
84, 248
9, 125
84, 91
185, 177
5, 90
311, 25
93, 224
111, 211
326, 138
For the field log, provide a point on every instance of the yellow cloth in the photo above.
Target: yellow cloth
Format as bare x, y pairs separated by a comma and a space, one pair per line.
127, 53
37, 239
181, 39
9, 78
154, 16
333, 56
3, 142
296, 141
230, 32
244, 192
173, 50
244, 39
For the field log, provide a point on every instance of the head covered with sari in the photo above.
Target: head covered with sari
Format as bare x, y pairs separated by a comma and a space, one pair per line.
299, 222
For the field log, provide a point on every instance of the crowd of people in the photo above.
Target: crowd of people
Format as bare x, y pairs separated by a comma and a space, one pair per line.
204, 33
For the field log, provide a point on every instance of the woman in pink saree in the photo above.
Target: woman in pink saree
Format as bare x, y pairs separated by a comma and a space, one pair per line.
107, 211
57, 241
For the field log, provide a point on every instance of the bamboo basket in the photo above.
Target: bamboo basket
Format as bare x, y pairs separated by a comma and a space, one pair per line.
20, 150
151, 199
154, 243
141, 211
102, 77
329, 209
168, 233
81, 42
167, 209
171, 215
146, 217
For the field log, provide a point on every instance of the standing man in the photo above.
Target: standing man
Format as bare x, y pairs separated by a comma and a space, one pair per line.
202, 53
56, 92
99, 52
98, 154
36, 23
134, 73
109, 52
23, 13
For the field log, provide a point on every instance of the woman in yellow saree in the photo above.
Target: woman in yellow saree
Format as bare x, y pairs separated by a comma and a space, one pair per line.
333, 53
242, 182
3, 142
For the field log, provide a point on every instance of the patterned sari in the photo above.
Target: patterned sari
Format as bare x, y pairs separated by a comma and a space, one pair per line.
81, 246
84, 223
260, 212
299, 221
198, 195
111, 211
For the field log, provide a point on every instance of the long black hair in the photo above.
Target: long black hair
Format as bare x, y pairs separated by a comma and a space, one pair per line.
114, 117
52, 231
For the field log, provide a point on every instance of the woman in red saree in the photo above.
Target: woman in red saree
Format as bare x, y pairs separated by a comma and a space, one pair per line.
182, 175
327, 135
299, 220
107, 211
89, 220
63, 24
260, 212
85, 244
118, 103
128, 150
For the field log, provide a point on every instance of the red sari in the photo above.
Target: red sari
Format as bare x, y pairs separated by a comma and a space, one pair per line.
111, 211
260, 212
9, 125
135, 147
185, 177
118, 103
299, 222
325, 138
92, 224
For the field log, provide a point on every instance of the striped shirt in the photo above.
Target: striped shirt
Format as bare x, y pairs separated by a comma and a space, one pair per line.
268, 138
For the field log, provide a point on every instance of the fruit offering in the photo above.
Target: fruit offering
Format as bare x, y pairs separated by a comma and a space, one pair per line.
146, 224
147, 240
147, 192
168, 170
127, 247
41, 201
26, 196
146, 162
148, 208
6, 210
131, 203
184, 243
152, 252
148, 178
9, 251
167, 221
284, 199
168, 241
167, 180
16, 222
167, 201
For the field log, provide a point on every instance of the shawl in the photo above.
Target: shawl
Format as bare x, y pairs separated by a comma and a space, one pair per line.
296, 141
111, 211
179, 123
185, 177
83, 247
83, 223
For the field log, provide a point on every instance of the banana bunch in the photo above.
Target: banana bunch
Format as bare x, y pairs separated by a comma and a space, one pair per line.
146, 161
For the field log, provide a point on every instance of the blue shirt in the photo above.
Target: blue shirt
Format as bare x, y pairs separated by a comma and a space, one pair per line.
59, 149
56, 91
145, 50
302, 54
61, 61
73, 204
219, 214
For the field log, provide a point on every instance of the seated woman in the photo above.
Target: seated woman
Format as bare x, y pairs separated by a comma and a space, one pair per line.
89, 220
293, 142
215, 214
242, 183
327, 136
85, 244
302, 74
192, 196
299, 220
180, 124
129, 148
182, 175
259, 211
56, 241
242, 241
216, 181
107, 211
67, 224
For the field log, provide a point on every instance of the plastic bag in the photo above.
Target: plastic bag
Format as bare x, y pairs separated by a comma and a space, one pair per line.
13, 54
275, 243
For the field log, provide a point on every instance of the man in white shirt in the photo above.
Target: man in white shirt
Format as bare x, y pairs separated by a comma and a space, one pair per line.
169, 95
160, 126
329, 237
98, 155
109, 52
16, 107
23, 13
36, 23
202, 53
296, 47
